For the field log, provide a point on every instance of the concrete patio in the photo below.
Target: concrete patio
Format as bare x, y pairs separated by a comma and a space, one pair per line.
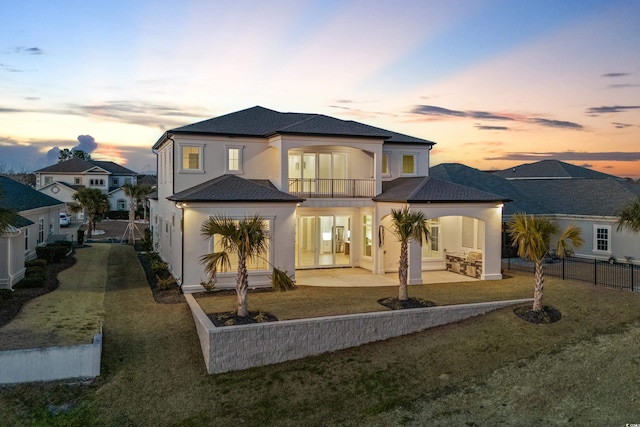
344, 277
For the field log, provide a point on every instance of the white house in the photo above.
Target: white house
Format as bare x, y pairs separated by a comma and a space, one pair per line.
326, 187
37, 218
64, 179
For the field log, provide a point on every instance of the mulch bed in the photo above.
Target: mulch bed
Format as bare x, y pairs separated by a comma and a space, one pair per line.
231, 318
413, 302
9, 308
172, 295
547, 315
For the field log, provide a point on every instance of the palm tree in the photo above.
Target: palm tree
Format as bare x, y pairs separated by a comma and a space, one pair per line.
629, 216
532, 236
93, 201
248, 238
407, 225
134, 193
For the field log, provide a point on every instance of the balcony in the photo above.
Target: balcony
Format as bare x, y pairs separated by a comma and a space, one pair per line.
332, 188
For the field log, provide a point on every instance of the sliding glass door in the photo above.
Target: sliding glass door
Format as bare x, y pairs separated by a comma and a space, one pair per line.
323, 241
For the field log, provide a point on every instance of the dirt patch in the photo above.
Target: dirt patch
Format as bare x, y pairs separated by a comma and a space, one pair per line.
109, 230
547, 315
11, 305
396, 304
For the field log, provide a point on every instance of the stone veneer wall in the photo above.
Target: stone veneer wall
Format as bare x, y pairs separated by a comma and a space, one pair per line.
233, 348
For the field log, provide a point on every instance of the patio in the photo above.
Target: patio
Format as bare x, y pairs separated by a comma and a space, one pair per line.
358, 277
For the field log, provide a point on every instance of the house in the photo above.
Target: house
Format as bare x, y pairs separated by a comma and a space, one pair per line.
568, 194
64, 179
37, 218
326, 187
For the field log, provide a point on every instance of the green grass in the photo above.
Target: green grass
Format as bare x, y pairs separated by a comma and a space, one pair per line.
70, 315
153, 372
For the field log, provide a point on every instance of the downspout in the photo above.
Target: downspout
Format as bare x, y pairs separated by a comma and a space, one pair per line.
173, 191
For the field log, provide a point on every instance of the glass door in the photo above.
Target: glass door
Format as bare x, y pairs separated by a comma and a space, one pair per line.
323, 241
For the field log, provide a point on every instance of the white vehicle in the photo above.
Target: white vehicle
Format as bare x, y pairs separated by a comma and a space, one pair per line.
65, 220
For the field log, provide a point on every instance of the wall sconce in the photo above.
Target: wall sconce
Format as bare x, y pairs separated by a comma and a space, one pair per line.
181, 205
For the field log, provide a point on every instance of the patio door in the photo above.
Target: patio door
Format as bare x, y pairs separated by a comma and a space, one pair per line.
323, 241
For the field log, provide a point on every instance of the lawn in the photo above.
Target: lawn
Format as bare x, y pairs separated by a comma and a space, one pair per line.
493, 369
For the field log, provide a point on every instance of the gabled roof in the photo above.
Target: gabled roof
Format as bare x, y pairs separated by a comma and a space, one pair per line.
550, 169
77, 165
20, 197
432, 190
232, 188
262, 122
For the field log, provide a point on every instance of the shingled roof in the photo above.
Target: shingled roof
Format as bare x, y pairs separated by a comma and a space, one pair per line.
20, 197
432, 190
232, 188
77, 165
550, 169
263, 122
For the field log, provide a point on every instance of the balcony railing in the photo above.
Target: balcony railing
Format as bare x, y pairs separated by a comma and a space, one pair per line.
331, 188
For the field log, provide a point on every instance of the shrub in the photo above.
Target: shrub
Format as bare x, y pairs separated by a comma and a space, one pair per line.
34, 271
158, 267
166, 283
6, 294
36, 263
64, 243
147, 242
52, 253
31, 282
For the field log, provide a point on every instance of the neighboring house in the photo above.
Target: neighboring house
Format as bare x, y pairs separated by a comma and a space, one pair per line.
64, 179
326, 188
566, 193
38, 218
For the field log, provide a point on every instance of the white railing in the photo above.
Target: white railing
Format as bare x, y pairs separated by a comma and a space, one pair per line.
331, 188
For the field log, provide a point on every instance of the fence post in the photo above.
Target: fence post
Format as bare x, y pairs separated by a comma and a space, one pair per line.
595, 272
563, 258
633, 271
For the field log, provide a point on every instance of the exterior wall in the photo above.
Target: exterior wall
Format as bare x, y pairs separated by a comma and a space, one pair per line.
69, 178
282, 244
239, 347
396, 151
51, 217
12, 260
116, 195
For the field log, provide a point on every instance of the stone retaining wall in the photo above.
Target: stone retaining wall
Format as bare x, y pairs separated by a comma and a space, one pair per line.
51, 363
233, 348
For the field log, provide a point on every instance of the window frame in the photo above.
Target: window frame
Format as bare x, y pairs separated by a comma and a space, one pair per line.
240, 160
367, 226
413, 155
596, 239
200, 168
385, 161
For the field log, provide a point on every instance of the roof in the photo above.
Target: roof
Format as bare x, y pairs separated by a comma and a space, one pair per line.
20, 197
77, 165
232, 188
550, 169
544, 196
262, 122
432, 190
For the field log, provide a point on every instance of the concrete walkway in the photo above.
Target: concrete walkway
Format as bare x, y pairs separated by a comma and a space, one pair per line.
358, 277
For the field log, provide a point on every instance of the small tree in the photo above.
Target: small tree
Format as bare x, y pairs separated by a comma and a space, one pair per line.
629, 217
93, 201
407, 225
532, 236
134, 193
248, 238
66, 154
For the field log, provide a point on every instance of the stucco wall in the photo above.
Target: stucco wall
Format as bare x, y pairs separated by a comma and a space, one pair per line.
245, 346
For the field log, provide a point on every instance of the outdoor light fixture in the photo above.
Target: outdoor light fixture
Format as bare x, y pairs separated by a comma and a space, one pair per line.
181, 205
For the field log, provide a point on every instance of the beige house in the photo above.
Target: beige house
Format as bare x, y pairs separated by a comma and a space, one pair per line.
326, 186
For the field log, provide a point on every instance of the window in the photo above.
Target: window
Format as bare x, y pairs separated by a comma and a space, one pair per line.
77, 180
96, 182
122, 205
115, 182
127, 180
234, 159
385, 164
26, 239
432, 249
367, 234
41, 230
48, 180
260, 263
191, 158
408, 164
602, 238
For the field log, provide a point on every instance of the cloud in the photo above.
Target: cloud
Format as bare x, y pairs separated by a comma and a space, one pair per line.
612, 109
587, 165
555, 123
622, 86
615, 74
34, 51
621, 125
615, 156
480, 127
435, 111
86, 143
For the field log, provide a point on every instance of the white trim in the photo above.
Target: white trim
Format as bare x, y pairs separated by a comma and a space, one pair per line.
415, 163
200, 148
227, 149
597, 251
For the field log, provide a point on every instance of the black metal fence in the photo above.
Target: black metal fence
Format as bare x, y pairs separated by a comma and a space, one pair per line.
608, 274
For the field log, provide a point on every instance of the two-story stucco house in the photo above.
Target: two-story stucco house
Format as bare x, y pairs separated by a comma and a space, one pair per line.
36, 220
326, 187
64, 179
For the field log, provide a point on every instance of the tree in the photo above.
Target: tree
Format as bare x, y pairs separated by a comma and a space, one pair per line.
407, 225
66, 154
134, 193
145, 190
93, 201
6, 215
248, 238
532, 236
629, 216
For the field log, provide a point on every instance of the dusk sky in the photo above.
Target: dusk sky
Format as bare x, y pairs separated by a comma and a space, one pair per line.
493, 83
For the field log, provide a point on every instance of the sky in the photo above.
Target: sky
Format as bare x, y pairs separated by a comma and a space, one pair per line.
494, 83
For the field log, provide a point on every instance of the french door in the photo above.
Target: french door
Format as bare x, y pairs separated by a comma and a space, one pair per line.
323, 241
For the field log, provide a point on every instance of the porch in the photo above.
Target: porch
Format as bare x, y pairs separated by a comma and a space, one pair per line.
358, 277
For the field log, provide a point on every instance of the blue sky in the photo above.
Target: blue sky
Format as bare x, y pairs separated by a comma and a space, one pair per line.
494, 83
